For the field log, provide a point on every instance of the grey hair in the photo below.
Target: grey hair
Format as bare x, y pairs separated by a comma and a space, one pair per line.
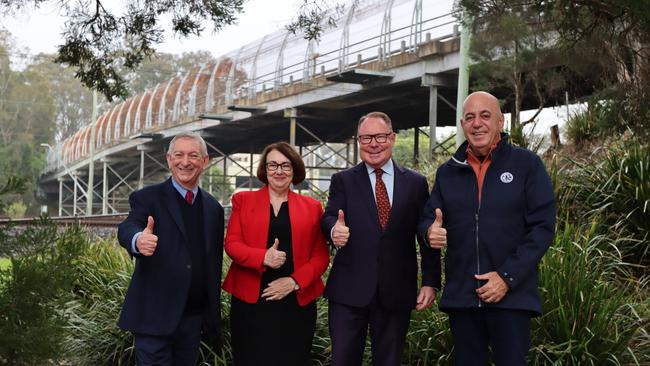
189, 135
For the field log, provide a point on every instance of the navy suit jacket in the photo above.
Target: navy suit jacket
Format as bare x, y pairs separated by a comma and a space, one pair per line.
155, 300
375, 261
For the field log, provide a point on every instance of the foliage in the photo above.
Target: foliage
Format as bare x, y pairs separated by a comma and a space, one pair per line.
591, 316
615, 187
515, 57
35, 288
99, 41
313, 18
16, 210
13, 185
606, 38
92, 336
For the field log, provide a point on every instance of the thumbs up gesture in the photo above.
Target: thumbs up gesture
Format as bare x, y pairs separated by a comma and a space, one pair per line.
147, 241
436, 234
340, 232
274, 258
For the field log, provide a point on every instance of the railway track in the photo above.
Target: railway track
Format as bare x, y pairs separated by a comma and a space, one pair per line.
92, 221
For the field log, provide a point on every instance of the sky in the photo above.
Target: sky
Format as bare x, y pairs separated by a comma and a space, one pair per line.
39, 30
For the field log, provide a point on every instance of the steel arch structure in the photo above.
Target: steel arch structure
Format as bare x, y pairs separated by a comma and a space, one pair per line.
385, 55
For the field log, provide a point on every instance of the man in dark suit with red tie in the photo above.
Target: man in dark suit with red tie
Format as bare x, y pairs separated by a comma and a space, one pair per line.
371, 218
175, 233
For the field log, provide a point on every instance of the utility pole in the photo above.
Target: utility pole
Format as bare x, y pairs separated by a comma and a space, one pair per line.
91, 163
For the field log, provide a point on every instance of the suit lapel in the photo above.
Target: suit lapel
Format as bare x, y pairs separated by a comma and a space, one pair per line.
367, 195
171, 202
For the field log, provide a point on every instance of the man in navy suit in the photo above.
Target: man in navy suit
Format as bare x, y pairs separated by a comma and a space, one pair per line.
371, 218
175, 233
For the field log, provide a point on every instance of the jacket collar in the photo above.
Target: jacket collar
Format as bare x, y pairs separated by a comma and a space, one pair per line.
460, 156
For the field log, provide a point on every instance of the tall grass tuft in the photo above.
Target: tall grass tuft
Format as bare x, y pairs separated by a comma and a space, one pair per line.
92, 334
591, 316
615, 186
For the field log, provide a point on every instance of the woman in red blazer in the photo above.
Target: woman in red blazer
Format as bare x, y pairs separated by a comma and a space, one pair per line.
278, 257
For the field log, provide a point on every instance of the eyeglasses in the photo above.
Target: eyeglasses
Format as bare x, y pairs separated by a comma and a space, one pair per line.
379, 137
273, 166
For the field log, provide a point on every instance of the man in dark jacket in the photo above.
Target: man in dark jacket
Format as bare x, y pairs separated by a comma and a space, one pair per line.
175, 233
493, 206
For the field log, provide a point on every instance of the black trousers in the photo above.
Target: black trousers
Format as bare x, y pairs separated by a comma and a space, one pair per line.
476, 331
180, 348
349, 327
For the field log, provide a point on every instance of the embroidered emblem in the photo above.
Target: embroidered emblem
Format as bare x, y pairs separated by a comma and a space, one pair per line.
507, 177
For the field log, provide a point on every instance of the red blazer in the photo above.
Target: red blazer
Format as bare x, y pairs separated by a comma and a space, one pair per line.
246, 244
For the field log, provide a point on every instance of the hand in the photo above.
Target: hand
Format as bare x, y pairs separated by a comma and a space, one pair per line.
436, 234
278, 289
340, 233
147, 241
495, 288
425, 298
274, 258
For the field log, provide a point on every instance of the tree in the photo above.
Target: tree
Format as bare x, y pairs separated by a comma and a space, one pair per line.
98, 42
72, 101
604, 42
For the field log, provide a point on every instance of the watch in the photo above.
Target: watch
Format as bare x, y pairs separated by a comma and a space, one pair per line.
296, 287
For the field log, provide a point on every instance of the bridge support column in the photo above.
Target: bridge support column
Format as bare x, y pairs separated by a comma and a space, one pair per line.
433, 118
141, 180
60, 197
74, 194
416, 146
291, 113
104, 190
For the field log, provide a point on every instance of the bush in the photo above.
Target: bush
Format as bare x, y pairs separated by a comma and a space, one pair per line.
35, 288
93, 337
615, 186
591, 316
16, 210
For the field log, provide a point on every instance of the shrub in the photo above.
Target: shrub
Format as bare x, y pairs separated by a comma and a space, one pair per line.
590, 315
615, 186
92, 336
16, 210
35, 288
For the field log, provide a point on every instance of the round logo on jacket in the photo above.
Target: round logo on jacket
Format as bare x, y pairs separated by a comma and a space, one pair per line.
507, 177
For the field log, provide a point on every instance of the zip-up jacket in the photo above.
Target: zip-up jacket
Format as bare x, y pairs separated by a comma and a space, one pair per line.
508, 230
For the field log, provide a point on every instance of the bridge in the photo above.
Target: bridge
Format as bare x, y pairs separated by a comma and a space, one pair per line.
397, 56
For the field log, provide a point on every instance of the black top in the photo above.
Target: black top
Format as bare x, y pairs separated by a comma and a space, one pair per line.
193, 218
280, 228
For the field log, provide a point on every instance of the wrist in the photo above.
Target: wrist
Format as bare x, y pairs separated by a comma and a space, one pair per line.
296, 286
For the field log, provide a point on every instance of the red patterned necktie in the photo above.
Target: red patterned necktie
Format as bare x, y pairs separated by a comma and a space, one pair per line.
189, 197
381, 195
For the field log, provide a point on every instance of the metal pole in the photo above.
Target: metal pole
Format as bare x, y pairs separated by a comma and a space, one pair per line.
463, 75
105, 191
74, 195
91, 164
416, 146
60, 197
141, 180
433, 118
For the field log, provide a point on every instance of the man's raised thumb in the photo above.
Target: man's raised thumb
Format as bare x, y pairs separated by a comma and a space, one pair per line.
341, 219
275, 244
438, 221
149, 224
